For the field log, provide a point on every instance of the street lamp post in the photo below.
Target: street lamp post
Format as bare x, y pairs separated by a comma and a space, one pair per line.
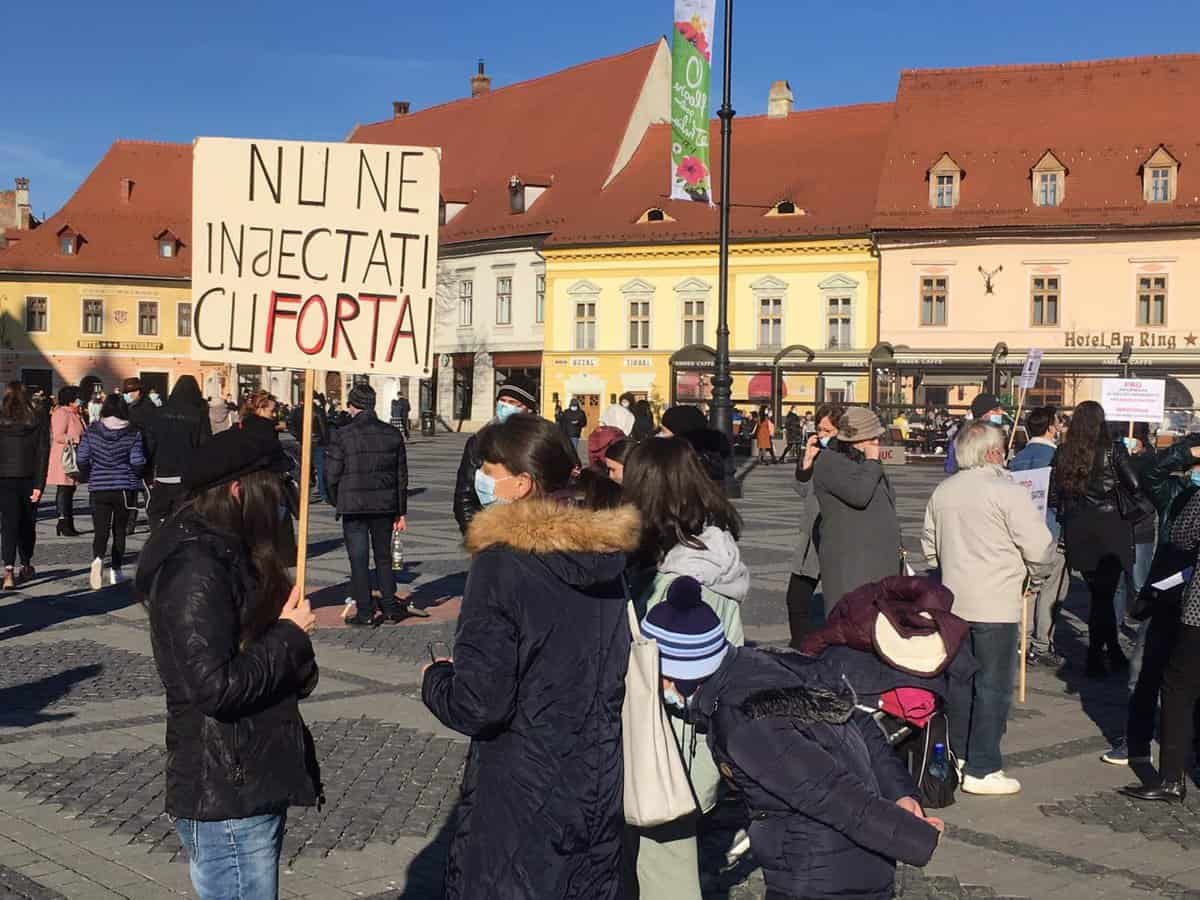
721, 412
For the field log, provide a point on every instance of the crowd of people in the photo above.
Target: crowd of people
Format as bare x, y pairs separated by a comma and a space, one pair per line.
894, 691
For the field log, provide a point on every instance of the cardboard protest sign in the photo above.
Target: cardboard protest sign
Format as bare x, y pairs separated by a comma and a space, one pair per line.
314, 256
1133, 399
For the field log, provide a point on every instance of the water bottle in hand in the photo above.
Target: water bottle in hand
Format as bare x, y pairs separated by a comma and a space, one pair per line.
397, 550
939, 766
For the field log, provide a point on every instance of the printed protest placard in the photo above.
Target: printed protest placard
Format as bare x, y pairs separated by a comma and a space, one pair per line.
1037, 482
691, 71
1029, 373
1133, 399
314, 255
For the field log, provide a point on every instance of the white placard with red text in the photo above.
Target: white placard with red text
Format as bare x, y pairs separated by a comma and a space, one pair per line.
1133, 399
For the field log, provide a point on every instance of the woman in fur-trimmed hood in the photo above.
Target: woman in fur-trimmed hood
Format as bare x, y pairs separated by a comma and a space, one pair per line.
537, 680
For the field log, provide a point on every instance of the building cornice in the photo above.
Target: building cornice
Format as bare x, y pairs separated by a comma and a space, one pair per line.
696, 251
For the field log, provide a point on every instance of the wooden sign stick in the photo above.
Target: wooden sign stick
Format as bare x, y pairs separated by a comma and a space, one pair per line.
305, 475
1017, 421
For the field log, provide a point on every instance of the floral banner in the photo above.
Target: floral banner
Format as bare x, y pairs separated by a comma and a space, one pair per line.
691, 69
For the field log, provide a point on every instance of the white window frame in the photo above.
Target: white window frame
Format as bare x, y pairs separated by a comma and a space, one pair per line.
1048, 194
157, 318
842, 288
25, 314
179, 318
770, 288
582, 293
639, 315
944, 190
946, 168
67, 244
1160, 175
504, 317
933, 323
693, 290
1150, 292
1044, 292
466, 302
585, 340
539, 297
83, 314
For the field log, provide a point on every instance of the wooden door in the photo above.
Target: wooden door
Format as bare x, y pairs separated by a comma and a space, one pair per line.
590, 404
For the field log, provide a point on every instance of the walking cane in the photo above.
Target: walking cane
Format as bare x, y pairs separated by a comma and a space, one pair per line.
1024, 639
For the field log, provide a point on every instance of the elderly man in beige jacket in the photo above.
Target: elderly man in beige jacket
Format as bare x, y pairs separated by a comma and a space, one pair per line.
989, 540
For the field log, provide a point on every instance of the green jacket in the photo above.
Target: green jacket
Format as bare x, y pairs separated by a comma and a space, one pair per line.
1161, 483
697, 758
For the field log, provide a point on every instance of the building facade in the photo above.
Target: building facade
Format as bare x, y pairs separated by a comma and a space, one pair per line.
1041, 207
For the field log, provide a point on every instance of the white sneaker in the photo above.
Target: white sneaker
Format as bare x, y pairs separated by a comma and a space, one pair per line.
993, 784
115, 576
96, 575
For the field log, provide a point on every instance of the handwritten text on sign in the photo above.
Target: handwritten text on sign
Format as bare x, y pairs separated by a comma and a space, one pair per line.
309, 255
1133, 399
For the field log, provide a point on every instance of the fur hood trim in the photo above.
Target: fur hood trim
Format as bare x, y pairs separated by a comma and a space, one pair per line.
546, 526
807, 705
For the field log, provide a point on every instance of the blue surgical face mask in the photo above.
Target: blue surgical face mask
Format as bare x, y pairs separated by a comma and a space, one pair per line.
996, 419
485, 485
128, 397
1195, 476
504, 410
673, 698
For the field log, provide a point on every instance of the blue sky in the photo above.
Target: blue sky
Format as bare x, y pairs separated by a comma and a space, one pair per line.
81, 75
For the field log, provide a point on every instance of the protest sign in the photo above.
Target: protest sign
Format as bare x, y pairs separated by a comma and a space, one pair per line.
1029, 374
1133, 399
313, 255
1037, 482
893, 456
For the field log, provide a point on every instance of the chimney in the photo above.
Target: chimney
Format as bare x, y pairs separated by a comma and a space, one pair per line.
126, 189
779, 100
400, 108
21, 202
480, 84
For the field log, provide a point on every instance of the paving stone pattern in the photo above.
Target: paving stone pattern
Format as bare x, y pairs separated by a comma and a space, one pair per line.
407, 643
382, 782
15, 886
67, 673
1156, 821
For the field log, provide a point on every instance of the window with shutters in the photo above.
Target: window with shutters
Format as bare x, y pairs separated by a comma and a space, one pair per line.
935, 293
93, 316
1152, 300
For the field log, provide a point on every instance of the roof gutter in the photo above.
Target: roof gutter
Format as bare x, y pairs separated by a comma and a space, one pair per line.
110, 276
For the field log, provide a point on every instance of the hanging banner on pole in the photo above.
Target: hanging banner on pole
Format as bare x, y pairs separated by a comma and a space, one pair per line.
691, 74
1029, 374
314, 255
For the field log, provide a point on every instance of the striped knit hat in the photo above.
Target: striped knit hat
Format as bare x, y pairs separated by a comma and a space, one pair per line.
691, 639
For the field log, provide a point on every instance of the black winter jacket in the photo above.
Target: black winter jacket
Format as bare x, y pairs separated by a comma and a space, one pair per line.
1112, 472
320, 424
572, 422
176, 431
25, 450
366, 468
819, 779
537, 682
236, 744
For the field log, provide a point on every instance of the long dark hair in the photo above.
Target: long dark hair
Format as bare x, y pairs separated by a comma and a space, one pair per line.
15, 405
666, 481
526, 444
114, 406
255, 518
1077, 455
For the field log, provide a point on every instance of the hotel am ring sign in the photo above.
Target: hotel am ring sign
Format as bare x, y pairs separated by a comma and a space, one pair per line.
314, 255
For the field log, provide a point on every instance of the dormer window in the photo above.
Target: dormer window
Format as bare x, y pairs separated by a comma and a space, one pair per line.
1049, 179
1160, 177
945, 179
785, 207
68, 241
654, 214
168, 244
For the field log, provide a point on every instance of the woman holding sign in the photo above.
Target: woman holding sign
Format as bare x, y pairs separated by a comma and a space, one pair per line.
230, 638
1094, 489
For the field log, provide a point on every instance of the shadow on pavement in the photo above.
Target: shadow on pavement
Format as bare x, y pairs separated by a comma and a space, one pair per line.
32, 614
21, 704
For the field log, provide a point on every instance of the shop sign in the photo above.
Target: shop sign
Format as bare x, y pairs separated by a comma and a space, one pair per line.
584, 362
638, 362
142, 346
1117, 339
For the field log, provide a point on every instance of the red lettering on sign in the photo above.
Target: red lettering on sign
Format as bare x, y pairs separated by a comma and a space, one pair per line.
317, 347
277, 313
399, 331
377, 299
344, 302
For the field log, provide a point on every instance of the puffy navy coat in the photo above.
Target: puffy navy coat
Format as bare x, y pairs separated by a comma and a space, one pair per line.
819, 779
366, 468
537, 682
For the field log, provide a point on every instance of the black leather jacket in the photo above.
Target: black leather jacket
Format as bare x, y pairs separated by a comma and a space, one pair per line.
25, 450
236, 744
466, 501
1113, 485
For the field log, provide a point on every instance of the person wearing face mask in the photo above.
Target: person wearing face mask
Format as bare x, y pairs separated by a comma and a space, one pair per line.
984, 408
831, 804
806, 564
142, 413
1042, 426
516, 395
984, 532
66, 427
537, 678
572, 422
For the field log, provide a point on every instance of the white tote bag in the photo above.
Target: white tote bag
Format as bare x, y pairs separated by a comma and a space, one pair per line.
657, 789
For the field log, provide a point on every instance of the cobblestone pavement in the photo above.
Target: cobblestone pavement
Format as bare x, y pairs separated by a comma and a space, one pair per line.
81, 739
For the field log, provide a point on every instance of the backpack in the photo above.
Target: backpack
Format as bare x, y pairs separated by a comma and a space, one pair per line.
916, 750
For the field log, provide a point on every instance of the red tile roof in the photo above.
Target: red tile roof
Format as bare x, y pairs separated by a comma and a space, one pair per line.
1101, 119
826, 161
118, 237
566, 126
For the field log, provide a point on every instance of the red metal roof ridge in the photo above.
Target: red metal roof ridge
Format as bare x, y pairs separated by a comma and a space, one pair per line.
1108, 62
135, 142
528, 82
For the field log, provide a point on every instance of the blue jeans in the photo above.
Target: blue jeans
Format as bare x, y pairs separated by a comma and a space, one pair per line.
979, 710
237, 859
318, 460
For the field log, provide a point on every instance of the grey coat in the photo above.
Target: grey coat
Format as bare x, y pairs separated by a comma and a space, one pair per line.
858, 534
805, 561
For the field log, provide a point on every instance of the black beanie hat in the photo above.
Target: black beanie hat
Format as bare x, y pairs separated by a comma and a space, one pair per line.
362, 397
680, 420
232, 454
520, 389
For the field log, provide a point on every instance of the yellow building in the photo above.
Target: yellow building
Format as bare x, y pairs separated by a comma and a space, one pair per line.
631, 281
101, 290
